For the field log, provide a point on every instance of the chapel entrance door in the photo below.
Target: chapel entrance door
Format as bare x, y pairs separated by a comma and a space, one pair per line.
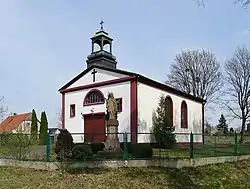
94, 128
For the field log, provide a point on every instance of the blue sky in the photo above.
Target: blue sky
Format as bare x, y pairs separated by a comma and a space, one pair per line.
43, 44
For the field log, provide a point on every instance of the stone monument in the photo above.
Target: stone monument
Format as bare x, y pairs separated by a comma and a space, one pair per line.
112, 141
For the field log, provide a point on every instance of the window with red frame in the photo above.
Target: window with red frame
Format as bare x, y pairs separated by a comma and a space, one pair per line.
119, 104
72, 110
94, 97
184, 115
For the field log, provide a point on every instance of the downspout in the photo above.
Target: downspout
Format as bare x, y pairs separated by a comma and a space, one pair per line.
203, 125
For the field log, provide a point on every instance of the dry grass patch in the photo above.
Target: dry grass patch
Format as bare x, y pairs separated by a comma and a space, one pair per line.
227, 176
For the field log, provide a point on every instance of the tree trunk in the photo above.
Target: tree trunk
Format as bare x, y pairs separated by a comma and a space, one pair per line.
243, 123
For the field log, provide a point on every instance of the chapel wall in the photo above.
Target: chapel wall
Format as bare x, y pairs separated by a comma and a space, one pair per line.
148, 99
100, 76
76, 124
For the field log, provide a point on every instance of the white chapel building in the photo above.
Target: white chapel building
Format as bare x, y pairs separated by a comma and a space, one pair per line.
84, 105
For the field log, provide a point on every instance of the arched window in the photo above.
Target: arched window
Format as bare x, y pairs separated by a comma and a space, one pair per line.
93, 97
169, 110
184, 115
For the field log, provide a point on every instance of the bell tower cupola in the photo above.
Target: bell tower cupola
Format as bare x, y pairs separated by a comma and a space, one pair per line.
101, 54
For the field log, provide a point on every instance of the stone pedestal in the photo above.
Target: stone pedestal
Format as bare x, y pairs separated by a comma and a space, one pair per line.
112, 142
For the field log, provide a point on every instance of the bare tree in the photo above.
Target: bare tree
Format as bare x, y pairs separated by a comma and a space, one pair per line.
3, 109
243, 3
238, 91
196, 72
208, 128
59, 119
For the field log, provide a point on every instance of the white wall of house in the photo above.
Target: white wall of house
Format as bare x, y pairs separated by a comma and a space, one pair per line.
76, 124
25, 127
100, 76
148, 99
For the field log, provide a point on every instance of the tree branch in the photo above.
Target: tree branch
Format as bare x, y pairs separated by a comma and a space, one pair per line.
196, 72
244, 3
238, 80
3, 109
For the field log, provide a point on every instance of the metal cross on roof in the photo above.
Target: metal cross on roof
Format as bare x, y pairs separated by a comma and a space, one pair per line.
101, 23
93, 73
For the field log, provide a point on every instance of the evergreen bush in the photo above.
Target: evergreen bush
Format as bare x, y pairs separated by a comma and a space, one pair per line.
43, 129
81, 152
34, 129
129, 146
96, 147
64, 145
141, 150
222, 127
162, 129
4, 138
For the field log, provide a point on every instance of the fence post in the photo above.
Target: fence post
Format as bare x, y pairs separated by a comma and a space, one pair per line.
235, 144
125, 146
191, 145
48, 148
215, 145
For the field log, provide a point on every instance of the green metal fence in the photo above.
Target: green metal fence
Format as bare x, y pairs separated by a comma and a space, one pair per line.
24, 147
189, 145
223, 145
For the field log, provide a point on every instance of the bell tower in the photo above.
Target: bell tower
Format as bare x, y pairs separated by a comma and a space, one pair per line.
101, 54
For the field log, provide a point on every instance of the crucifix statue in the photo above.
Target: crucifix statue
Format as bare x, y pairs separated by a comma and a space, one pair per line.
93, 73
101, 23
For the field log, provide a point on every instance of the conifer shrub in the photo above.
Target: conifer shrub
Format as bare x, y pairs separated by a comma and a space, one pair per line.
96, 147
43, 129
141, 150
162, 129
34, 129
222, 127
129, 146
64, 145
81, 152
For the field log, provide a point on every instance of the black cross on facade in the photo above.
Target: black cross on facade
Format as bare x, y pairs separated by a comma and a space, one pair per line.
101, 23
94, 72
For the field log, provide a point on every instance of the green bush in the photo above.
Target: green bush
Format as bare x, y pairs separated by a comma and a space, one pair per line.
81, 152
64, 145
4, 138
43, 129
129, 146
162, 126
157, 146
142, 150
96, 147
19, 145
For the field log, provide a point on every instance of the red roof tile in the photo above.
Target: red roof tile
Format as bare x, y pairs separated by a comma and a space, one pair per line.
12, 122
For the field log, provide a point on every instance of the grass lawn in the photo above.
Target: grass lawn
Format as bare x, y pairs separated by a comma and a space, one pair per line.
224, 146
227, 176
208, 150
36, 152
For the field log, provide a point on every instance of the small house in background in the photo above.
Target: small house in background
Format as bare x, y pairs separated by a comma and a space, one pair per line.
17, 123
53, 132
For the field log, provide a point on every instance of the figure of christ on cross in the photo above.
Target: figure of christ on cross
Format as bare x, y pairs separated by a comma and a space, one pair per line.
93, 73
